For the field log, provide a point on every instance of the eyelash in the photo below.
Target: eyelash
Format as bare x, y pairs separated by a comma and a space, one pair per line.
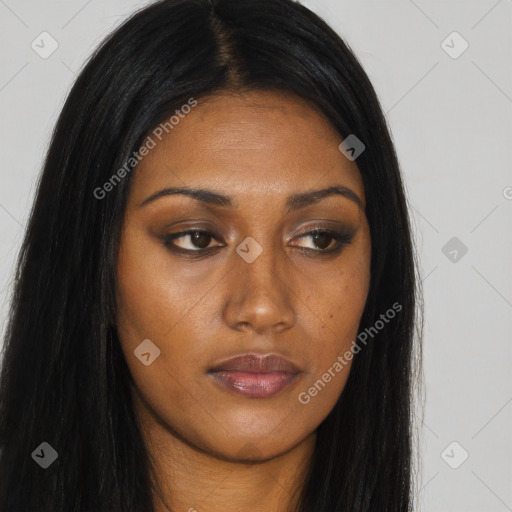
342, 238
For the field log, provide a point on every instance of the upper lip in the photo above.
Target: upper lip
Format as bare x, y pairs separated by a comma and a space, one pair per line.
255, 363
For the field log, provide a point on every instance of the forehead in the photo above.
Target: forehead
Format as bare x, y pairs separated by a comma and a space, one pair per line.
268, 143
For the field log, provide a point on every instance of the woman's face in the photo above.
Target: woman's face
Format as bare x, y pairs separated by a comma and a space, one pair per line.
249, 279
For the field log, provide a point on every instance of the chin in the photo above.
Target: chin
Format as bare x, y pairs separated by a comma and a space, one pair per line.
254, 448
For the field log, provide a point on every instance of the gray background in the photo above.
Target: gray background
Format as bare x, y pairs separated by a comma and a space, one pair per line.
451, 122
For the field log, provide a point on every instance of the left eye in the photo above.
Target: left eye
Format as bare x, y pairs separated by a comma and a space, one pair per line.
322, 240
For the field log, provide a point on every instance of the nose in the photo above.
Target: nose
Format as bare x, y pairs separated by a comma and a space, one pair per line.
260, 296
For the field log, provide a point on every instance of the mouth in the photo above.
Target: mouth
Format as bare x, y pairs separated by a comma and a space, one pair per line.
255, 376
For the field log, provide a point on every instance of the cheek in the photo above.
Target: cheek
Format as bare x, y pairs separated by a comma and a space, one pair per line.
149, 293
341, 306
342, 300
152, 304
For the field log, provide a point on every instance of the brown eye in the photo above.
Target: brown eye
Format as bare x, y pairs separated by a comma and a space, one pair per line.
322, 239
193, 240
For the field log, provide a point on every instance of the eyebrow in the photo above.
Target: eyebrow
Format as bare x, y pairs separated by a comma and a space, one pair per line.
294, 201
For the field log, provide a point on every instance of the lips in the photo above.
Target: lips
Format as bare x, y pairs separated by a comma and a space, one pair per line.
253, 363
255, 376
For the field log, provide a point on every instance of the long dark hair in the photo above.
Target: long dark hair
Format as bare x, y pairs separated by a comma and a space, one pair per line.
64, 380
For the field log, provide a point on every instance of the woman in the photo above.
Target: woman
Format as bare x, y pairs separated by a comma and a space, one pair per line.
215, 300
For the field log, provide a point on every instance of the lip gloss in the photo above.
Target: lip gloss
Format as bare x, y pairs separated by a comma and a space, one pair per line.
254, 385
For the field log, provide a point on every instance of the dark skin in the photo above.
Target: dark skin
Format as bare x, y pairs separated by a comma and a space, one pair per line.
215, 450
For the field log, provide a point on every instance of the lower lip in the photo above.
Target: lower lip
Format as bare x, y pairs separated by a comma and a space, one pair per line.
254, 385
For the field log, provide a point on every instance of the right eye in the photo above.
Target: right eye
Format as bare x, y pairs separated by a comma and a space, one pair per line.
198, 240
